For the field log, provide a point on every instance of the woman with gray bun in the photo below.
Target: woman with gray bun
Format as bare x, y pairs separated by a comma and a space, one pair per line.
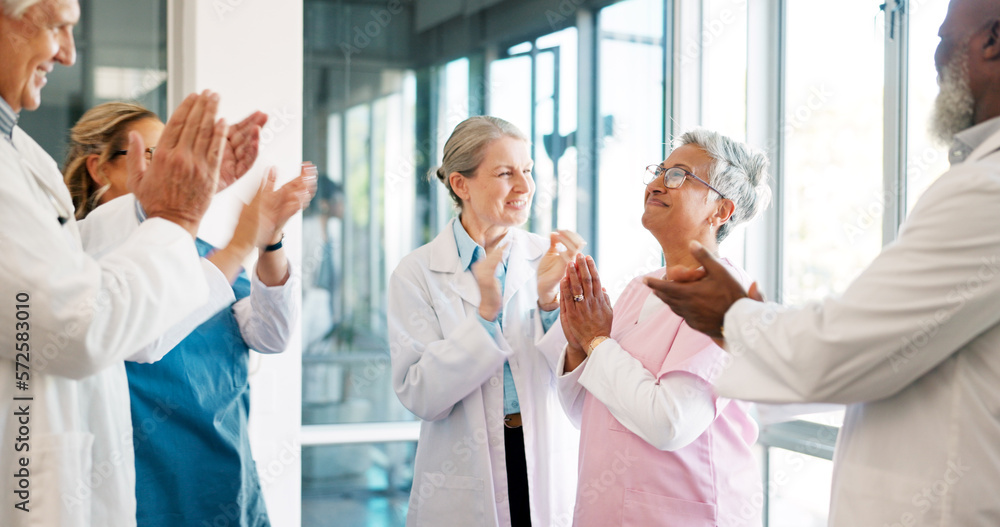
474, 342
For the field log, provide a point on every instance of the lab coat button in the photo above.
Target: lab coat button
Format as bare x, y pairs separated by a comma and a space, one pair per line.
495, 381
500, 497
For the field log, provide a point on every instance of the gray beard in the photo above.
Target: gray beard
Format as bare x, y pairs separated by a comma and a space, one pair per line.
954, 108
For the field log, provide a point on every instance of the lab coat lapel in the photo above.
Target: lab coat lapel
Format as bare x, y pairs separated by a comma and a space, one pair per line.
444, 259
520, 271
49, 190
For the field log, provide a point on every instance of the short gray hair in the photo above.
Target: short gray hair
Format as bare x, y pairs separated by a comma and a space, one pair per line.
738, 170
16, 8
464, 150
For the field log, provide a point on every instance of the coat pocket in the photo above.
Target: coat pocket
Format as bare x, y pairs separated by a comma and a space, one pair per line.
61, 491
642, 509
449, 500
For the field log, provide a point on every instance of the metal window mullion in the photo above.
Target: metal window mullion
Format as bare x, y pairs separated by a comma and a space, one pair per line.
765, 469
764, 245
374, 238
895, 118
686, 78
588, 125
669, 43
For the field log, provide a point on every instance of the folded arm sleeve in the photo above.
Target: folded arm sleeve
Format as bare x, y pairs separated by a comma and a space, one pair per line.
571, 392
220, 296
668, 412
923, 298
432, 371
550, 340
267, 316
87, 314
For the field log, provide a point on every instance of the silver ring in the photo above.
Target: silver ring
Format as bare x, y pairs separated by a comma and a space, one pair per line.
578, 298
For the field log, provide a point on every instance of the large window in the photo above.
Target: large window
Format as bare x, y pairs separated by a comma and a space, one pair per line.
630, 135
360, 123
833, 146
534, 87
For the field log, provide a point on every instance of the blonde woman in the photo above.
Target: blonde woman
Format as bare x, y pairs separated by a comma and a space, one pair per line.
474, 342
95, 164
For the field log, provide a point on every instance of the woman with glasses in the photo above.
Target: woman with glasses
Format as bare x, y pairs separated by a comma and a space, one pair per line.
657, 446
189, 389
95, 165
474, 344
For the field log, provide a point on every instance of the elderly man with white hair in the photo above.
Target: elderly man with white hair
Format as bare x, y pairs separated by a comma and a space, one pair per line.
67, 321
913, 344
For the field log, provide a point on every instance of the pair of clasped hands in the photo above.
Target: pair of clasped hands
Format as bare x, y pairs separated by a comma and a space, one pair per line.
197, 156
700, 295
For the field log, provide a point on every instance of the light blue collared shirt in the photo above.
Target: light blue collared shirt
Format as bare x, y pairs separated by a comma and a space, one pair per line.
140, 212
8, 120
470, 252
969, 139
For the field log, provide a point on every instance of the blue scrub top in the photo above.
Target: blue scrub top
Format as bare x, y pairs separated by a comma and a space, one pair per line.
189, 419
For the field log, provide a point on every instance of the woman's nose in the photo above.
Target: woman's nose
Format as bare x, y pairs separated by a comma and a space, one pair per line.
523, 181
656, 186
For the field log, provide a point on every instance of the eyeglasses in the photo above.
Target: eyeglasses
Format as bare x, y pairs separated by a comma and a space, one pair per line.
149, 153
674, 177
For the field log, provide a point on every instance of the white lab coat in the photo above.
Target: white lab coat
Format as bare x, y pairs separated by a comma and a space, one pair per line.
448, 370
265, 317
84, 317
913, 346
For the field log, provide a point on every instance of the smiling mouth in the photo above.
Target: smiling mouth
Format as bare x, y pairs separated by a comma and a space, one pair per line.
41, 74
518, 204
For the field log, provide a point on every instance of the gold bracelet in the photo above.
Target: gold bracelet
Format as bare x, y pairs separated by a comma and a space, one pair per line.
594, 343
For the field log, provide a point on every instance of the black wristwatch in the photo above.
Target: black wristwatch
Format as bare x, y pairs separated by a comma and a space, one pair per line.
276, 246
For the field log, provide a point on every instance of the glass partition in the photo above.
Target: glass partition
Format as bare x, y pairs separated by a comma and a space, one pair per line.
833, 145
630, 135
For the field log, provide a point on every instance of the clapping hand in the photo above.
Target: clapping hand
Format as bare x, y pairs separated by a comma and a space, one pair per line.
701, 296
179, 182
490, 292
241, 147
552, 268
260, 225
276, 206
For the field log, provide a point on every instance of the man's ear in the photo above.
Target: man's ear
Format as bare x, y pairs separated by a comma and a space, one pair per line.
991, 48
92, 167
459, 185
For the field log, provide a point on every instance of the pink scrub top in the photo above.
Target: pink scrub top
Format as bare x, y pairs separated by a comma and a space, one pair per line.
714, 481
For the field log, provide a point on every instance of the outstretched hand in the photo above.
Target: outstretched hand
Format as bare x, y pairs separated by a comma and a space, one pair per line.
278, 205
701, 297
240, 149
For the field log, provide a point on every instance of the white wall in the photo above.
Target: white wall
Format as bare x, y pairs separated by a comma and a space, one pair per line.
250, 51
